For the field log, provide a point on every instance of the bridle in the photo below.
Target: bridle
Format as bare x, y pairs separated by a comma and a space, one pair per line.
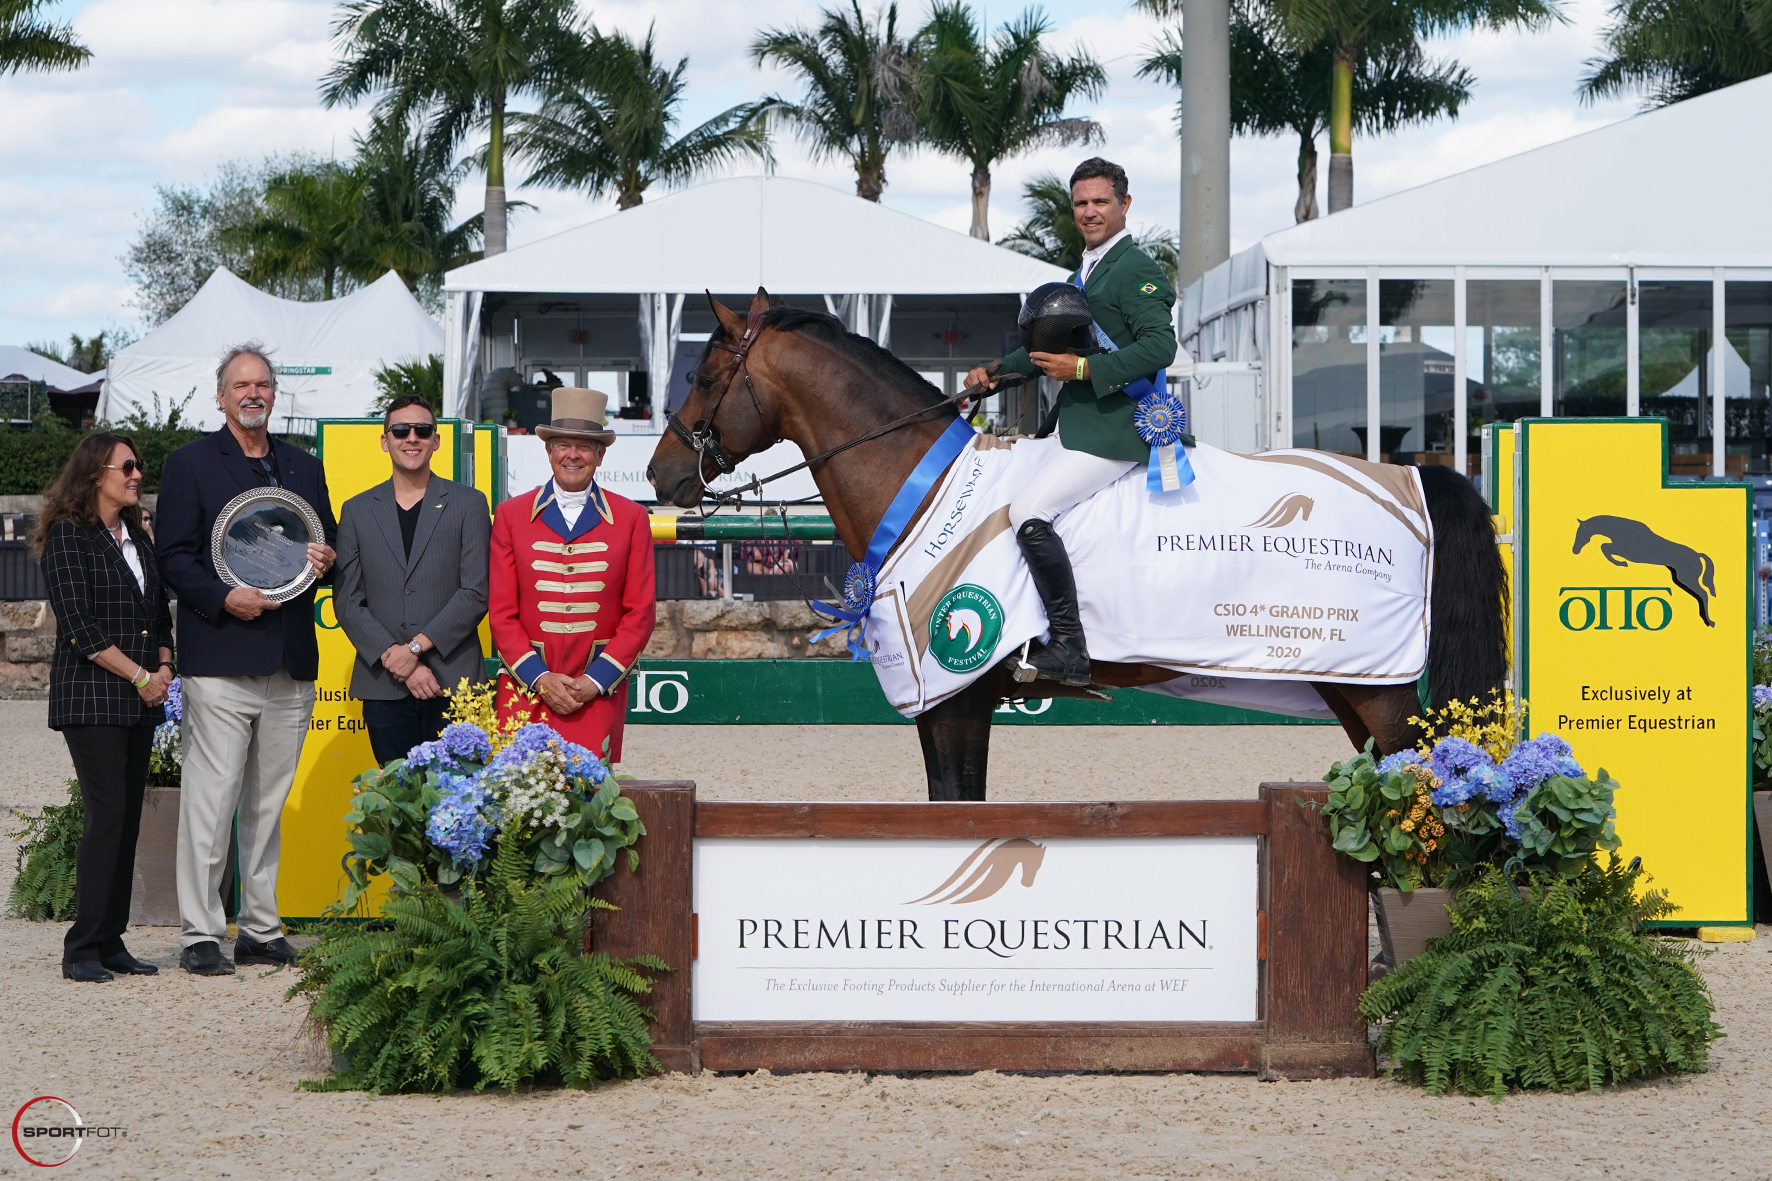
704, 437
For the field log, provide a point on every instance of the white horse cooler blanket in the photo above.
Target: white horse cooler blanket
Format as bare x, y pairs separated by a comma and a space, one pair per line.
1267, 572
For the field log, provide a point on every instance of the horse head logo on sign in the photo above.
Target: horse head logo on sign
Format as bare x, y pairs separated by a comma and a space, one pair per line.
987, 872
1630, 541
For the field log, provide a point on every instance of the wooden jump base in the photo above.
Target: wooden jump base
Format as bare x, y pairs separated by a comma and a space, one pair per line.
1311, 942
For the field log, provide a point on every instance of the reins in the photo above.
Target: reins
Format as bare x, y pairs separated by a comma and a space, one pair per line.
704, 437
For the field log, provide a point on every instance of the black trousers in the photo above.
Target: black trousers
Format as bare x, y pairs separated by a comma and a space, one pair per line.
111, 763
395, 727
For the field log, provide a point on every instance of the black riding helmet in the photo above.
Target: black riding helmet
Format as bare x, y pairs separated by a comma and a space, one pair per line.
1056, 319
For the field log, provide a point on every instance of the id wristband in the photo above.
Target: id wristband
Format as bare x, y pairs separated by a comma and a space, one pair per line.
1081, 365
141, 677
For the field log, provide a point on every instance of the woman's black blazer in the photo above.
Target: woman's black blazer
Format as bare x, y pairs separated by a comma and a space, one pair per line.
96, 605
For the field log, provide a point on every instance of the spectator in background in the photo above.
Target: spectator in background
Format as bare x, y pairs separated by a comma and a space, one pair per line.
107, 682
249, 669
411, 586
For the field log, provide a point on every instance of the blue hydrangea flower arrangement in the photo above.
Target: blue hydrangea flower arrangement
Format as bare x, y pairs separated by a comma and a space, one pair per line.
1475, 797
166, 758
442, 811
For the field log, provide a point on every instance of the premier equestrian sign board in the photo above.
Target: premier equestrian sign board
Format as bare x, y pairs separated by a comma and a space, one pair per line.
1057, 929
1635, 624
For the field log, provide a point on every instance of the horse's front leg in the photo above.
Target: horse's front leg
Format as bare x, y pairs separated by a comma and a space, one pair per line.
956, 737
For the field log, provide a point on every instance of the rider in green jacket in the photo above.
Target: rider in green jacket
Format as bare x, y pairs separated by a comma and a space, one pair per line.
1130, 299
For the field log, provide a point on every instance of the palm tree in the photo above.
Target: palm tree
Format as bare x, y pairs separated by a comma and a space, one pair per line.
408, 202
1384, 29
857, 88
1276, 90
452, 67
609, 131
986, 101
1050, 234
1675, 49
312, 227
30, 43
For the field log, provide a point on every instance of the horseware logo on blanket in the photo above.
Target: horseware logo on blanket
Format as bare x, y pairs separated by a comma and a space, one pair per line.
982, 874
964, 628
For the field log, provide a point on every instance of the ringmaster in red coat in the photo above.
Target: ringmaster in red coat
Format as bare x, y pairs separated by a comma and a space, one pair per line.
570, 596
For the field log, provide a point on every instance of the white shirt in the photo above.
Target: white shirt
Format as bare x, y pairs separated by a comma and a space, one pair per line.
132, 559
571, 503
1091, 257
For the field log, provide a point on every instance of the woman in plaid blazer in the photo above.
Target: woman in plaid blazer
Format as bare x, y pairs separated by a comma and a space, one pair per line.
112, 666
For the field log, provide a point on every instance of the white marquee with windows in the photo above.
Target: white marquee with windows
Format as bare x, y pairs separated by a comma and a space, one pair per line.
1594, 276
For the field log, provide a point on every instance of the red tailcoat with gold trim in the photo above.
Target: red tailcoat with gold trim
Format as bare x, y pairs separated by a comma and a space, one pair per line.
574, 601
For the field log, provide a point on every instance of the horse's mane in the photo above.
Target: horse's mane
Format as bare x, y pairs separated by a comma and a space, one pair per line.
878, 362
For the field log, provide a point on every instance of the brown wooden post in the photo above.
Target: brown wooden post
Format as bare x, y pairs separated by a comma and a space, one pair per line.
656, 913
1315, 901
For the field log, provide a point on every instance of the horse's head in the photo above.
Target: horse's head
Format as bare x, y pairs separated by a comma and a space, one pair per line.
1585, 531
729, 414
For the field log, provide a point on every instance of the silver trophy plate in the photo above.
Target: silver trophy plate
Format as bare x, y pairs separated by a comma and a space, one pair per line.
261, 540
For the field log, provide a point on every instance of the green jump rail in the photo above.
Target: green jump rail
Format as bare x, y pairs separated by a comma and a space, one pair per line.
835, 692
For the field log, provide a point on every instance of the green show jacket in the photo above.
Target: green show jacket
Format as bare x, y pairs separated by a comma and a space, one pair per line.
1131, 300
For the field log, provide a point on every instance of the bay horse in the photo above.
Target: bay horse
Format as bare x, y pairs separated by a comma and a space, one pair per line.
783, 373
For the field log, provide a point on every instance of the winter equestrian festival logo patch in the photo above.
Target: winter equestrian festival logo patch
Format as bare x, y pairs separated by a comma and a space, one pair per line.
964, 628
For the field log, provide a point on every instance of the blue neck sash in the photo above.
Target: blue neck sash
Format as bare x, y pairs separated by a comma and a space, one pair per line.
859, 583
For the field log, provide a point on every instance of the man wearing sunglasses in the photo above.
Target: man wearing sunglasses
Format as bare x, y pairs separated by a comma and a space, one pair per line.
411, 585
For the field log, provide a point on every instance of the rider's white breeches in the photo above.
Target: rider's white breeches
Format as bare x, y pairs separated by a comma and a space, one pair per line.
1065, 481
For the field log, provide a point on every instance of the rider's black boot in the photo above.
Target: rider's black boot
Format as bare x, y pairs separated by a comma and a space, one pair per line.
1065, 658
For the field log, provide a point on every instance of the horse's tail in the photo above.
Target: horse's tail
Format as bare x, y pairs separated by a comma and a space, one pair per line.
1709, 576
1467, 653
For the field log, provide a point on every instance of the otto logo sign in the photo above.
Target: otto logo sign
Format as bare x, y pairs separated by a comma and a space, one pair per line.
1010, 929
660, 691
1626, 542
47, 1131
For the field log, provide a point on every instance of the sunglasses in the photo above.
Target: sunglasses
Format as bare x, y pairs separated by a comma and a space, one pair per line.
424, 429
128, 467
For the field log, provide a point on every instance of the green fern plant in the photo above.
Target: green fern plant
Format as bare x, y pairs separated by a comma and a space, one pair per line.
1550, 982
488, 990
43, 891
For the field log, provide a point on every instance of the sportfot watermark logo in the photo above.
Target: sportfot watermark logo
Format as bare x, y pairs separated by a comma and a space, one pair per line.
986, 870
47, 1131
1627, 543
964, 628
1284, 511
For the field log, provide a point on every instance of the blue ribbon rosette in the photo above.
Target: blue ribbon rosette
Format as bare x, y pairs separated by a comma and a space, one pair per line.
1161, 421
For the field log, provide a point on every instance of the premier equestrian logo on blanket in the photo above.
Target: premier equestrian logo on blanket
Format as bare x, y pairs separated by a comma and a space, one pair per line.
986, 873
964, 628
1283, 512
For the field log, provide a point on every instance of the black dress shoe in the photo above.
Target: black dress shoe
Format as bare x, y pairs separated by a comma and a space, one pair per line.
205, 959
128, 965
272, 951
86, 972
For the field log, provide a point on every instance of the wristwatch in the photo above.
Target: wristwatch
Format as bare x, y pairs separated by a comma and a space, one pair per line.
416, 648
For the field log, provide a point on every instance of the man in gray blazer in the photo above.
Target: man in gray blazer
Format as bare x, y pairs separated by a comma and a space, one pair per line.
411, 586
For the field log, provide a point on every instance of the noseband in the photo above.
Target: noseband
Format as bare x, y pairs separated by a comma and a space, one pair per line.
704, 437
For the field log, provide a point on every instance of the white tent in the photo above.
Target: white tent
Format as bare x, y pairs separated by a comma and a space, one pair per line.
326, 353
1663, 199
17, 362
794, 237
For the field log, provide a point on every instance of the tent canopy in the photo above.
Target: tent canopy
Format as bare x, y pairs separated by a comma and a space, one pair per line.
791, 236
1674, 187
326, 353
17, 362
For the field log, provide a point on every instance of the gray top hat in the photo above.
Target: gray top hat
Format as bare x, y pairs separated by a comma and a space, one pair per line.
578, 414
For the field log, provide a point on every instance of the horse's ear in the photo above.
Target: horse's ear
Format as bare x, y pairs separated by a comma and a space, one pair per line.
730, 323
760, 301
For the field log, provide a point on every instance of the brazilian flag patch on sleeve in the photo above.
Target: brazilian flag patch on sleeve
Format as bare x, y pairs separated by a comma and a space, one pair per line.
1149, 289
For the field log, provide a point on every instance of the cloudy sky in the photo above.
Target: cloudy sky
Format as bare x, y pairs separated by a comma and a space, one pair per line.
177, 86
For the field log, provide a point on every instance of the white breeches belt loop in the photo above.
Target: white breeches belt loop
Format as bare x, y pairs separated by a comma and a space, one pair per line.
1065, 481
